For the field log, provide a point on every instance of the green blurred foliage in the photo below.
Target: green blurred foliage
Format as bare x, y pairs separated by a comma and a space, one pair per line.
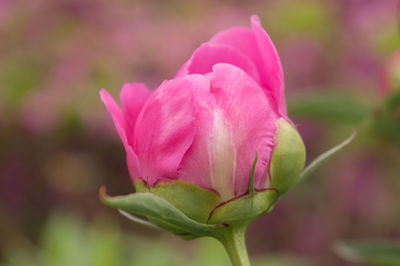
19, 75
388, 42
386, 122
379, 253
306, 18
68, 240
332, 107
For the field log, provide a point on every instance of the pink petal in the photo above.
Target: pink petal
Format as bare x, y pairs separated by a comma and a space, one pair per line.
257, 45
251, 119
210, 161
210, 54
123, 130
195, 166
133, 96
183, 70
165, 127
133, 164
120, 123
272, 64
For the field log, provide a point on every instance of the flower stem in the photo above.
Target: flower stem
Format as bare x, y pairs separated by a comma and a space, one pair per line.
233, 239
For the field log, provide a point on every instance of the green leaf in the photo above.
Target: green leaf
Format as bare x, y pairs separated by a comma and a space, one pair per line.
158, 211
244, 208
325, 156
382, 253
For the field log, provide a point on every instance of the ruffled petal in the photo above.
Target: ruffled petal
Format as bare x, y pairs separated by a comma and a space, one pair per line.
210, 161
257, 45
133, 96
271, 65
133, 164
120, 123
124, 132
165, 128
196, 164
209, 54
251, 121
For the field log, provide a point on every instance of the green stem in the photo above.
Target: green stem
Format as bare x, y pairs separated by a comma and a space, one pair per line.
233, 239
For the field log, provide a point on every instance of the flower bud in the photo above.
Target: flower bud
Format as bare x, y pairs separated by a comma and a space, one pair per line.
193, 141
288, 157
212, 149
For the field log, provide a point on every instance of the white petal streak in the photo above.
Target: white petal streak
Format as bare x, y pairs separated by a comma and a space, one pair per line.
223, 158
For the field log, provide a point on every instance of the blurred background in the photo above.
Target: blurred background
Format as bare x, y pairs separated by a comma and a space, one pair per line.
58, 144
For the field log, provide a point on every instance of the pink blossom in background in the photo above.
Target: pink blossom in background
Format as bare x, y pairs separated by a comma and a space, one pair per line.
3, 11
206, 125
398, 8
304, 60
358, 13
390, 77
364, 22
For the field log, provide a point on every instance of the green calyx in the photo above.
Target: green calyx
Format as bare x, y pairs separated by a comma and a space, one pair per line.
158, 211
288, 157
178, 206
173, 206
205, 206
245, 208
194, 201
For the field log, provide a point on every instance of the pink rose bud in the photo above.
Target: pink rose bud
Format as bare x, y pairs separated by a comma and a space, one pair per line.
194, 139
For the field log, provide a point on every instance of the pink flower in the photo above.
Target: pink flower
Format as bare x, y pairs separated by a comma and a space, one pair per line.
206, 125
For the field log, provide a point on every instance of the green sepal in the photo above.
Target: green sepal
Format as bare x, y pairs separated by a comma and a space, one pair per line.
243, 209
253, 170
288, 157
160, 212
194, 201
314, 165
139, 220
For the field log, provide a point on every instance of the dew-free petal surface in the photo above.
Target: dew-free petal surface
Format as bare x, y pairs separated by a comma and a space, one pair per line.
251, 120
165, 128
